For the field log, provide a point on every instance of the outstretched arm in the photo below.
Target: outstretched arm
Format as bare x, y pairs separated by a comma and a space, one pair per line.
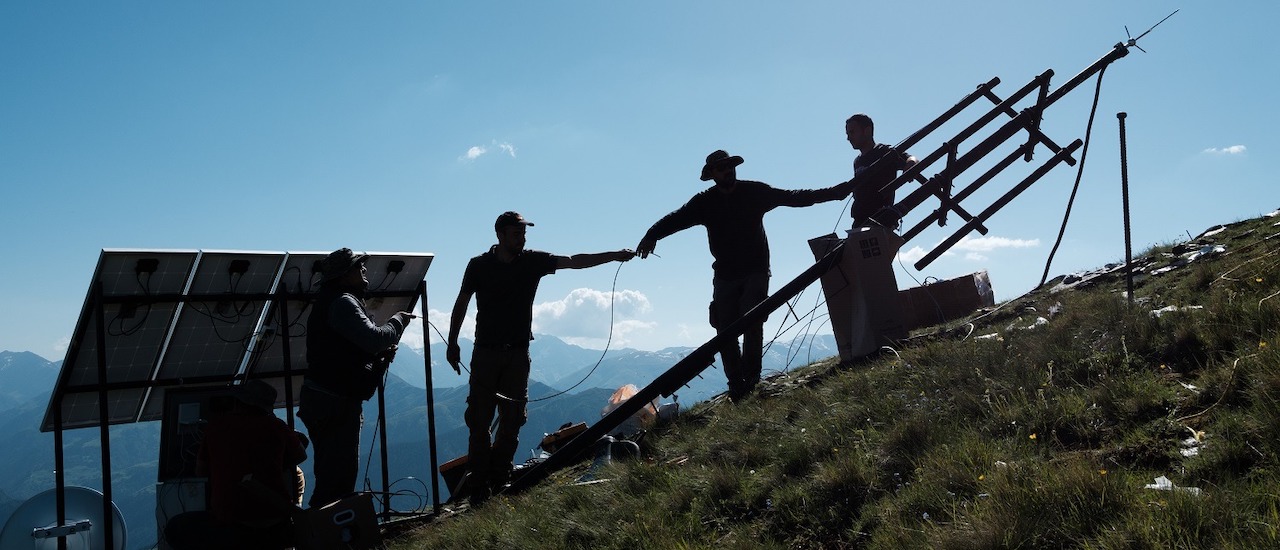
682, 218
581, 261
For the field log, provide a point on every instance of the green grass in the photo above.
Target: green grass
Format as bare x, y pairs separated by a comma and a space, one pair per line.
1032, 438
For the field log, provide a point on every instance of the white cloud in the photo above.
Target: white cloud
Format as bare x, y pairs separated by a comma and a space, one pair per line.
972, 247
989, 244
1232, 150
915, 253
440, 320
62, 344
583, 316
478, 151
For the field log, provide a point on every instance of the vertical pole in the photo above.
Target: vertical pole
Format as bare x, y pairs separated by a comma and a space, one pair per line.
431, 402
282, 333
1124, 192
104, 426
382, 455
59, 478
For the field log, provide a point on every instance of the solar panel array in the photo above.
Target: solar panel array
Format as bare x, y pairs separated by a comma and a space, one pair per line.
191, 318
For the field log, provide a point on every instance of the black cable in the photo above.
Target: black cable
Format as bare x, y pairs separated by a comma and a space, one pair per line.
119, 317
1084, 152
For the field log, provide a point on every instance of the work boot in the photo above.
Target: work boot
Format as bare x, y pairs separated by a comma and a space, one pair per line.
479, 494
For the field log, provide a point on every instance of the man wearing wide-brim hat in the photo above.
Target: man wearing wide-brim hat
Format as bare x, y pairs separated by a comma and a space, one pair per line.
733, 212
504, 281
347, 355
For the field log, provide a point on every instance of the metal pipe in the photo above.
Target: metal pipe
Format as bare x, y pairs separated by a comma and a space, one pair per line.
1000, 203
283, 334
969, 190
431, 404
1124, 193
59, 477
104, 428
382, 451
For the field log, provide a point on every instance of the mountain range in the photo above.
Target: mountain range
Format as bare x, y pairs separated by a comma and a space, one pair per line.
568, 384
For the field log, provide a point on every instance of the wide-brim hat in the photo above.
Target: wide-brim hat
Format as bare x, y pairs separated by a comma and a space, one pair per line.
338, 262
508, 219
257, 394
718, 159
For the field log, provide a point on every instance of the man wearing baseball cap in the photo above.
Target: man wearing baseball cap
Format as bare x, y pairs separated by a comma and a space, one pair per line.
504, 281
347, 354
733, 212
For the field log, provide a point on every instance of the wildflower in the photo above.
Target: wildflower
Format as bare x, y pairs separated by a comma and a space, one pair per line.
1102, 472
1262, 345
1033, 437
1258, 280
981, 477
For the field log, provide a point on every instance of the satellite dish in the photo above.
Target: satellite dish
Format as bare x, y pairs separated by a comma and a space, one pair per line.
35, 524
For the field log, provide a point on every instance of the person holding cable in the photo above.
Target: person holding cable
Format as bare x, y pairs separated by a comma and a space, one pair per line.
733, 212
504, 281
347, 355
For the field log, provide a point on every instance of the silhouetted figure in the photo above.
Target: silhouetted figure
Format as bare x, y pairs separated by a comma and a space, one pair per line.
872, 204
248, 455
733, 212
347, 355
504, 281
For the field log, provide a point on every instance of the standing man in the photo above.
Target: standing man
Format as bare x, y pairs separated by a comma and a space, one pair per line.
504, 281
871, 203
347, 354
733, 212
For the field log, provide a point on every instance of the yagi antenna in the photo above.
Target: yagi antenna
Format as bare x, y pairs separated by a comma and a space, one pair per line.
1133, 42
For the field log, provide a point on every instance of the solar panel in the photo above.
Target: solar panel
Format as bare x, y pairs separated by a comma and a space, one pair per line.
399, 273
212, 335
135, 331
189, 318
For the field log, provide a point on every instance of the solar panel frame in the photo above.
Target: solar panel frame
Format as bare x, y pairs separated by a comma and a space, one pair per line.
178, 294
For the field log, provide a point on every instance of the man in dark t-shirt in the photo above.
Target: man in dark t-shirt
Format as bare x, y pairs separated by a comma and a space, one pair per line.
872, 203
733, 212
505, 281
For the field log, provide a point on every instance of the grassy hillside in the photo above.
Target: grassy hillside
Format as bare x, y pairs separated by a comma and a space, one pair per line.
1004, 431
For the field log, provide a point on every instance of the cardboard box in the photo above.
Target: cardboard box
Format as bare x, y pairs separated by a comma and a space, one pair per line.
947, 300
862, 291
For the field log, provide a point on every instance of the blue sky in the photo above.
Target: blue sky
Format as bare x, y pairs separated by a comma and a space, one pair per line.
408, 126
